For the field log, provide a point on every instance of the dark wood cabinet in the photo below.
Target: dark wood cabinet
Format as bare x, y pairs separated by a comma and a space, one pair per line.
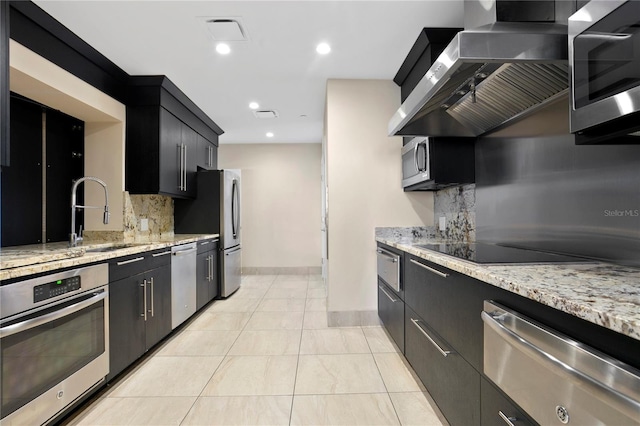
167, 137
451, 381
4, 85
206, 272
495, 407
391, 313
139, 306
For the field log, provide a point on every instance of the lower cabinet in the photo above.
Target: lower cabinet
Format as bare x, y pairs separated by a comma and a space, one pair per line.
498, 410
139, 307
206, 272
391, 312
451, 381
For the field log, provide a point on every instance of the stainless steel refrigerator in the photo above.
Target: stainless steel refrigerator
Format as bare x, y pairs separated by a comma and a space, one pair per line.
216, 210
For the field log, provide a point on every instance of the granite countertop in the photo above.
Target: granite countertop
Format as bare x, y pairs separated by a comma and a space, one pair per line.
604, 294
21, 261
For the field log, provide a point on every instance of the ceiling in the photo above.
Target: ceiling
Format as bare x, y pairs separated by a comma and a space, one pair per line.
277, 66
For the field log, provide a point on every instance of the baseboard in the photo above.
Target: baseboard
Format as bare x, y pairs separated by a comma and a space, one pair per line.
353, 318
281, 270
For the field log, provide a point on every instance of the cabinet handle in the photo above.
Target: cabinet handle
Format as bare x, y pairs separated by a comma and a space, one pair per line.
507, 420
180, 167
208, 277
144, 297
152, 297
211, 256
164, 253
391, 257
435, 271
444, 353
124, 262
387, 294
185, 167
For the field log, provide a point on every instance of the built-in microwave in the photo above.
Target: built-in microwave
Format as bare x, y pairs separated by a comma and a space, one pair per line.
604, 55
430, 164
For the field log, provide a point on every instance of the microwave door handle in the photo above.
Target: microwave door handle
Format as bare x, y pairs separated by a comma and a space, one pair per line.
426, 157
34, 322
415, 157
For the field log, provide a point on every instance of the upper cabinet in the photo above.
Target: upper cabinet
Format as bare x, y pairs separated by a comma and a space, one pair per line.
4, 83
168, 138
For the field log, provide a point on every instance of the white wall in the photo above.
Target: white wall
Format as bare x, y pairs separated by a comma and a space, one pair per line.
364, 184
280, 202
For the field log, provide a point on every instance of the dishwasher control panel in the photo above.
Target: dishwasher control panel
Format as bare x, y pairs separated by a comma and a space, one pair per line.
55, 288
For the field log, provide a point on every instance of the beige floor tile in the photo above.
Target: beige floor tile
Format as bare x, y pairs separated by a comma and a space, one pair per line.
240, 410
397, 376
253, 375
250, 293
357, 409
260, 279
267, 342
199, 343
334, 341
290, 284
413, 408
169, 376
315, 320
286, 293
333, 374
314, 277
281, 305
235, 305
137, 411
281, 278
313, 285
316, 305
378, 340
316, 293
220, 321
275, 321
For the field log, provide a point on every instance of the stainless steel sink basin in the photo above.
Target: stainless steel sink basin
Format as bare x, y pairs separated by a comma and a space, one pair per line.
109, 248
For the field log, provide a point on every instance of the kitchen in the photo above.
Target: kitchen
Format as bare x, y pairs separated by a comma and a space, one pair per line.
516, 203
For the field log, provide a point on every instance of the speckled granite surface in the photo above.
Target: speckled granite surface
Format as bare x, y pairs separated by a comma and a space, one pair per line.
601, 293
21, 261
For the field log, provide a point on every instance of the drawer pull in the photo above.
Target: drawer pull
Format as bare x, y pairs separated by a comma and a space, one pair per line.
164, 253
435, 271
137, 259
507, 420
442, 351
387, 294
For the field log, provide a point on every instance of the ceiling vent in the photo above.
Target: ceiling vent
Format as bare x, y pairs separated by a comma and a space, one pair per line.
266, 114
225, 29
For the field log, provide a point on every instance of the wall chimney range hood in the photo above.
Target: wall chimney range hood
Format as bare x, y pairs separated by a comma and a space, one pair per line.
485, 78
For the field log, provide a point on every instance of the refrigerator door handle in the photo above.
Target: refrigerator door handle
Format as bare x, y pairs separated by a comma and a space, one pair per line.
228, 253
234, 208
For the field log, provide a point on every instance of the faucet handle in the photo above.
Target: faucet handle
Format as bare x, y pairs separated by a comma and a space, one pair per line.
80, 235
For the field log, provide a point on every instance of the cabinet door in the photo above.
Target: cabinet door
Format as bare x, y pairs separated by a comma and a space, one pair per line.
126, 323
451, 381
190, 142
171, 154
203, 278
214, 282
496, 408
391, 312
158, 324
207, 154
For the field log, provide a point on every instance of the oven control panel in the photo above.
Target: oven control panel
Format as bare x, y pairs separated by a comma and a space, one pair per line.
55, 288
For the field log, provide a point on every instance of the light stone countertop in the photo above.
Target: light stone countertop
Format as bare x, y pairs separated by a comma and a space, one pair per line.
601, 293
20, 261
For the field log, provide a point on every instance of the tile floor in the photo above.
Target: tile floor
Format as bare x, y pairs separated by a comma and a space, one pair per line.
265, 356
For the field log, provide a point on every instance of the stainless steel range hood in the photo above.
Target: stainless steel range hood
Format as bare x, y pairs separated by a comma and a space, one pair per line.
486, 77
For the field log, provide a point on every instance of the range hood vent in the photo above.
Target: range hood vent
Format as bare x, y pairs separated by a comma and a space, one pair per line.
485, 78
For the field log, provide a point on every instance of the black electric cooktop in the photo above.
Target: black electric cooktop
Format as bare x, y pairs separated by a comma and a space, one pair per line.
486, 253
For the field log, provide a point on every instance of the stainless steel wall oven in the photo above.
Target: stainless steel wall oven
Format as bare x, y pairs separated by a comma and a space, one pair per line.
54, 342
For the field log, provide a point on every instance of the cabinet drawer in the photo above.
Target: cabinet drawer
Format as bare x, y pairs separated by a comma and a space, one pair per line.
498, 410
450, 303
158, 258
390, 267
452, 382
391, 312
207, 245
127, 266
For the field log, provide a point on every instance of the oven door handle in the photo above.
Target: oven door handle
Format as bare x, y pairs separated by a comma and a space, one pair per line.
52, 316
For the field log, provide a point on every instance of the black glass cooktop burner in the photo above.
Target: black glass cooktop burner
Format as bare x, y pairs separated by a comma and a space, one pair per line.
486, 253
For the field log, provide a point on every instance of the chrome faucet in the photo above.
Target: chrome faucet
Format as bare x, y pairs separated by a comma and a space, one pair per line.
73, 237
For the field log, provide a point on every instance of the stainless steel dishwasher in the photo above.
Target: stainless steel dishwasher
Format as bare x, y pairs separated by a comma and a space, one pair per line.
183, 283
555, 379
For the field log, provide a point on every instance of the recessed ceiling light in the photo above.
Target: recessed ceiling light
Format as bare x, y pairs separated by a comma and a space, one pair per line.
223, 48
323, 48
254, 105
269, 134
